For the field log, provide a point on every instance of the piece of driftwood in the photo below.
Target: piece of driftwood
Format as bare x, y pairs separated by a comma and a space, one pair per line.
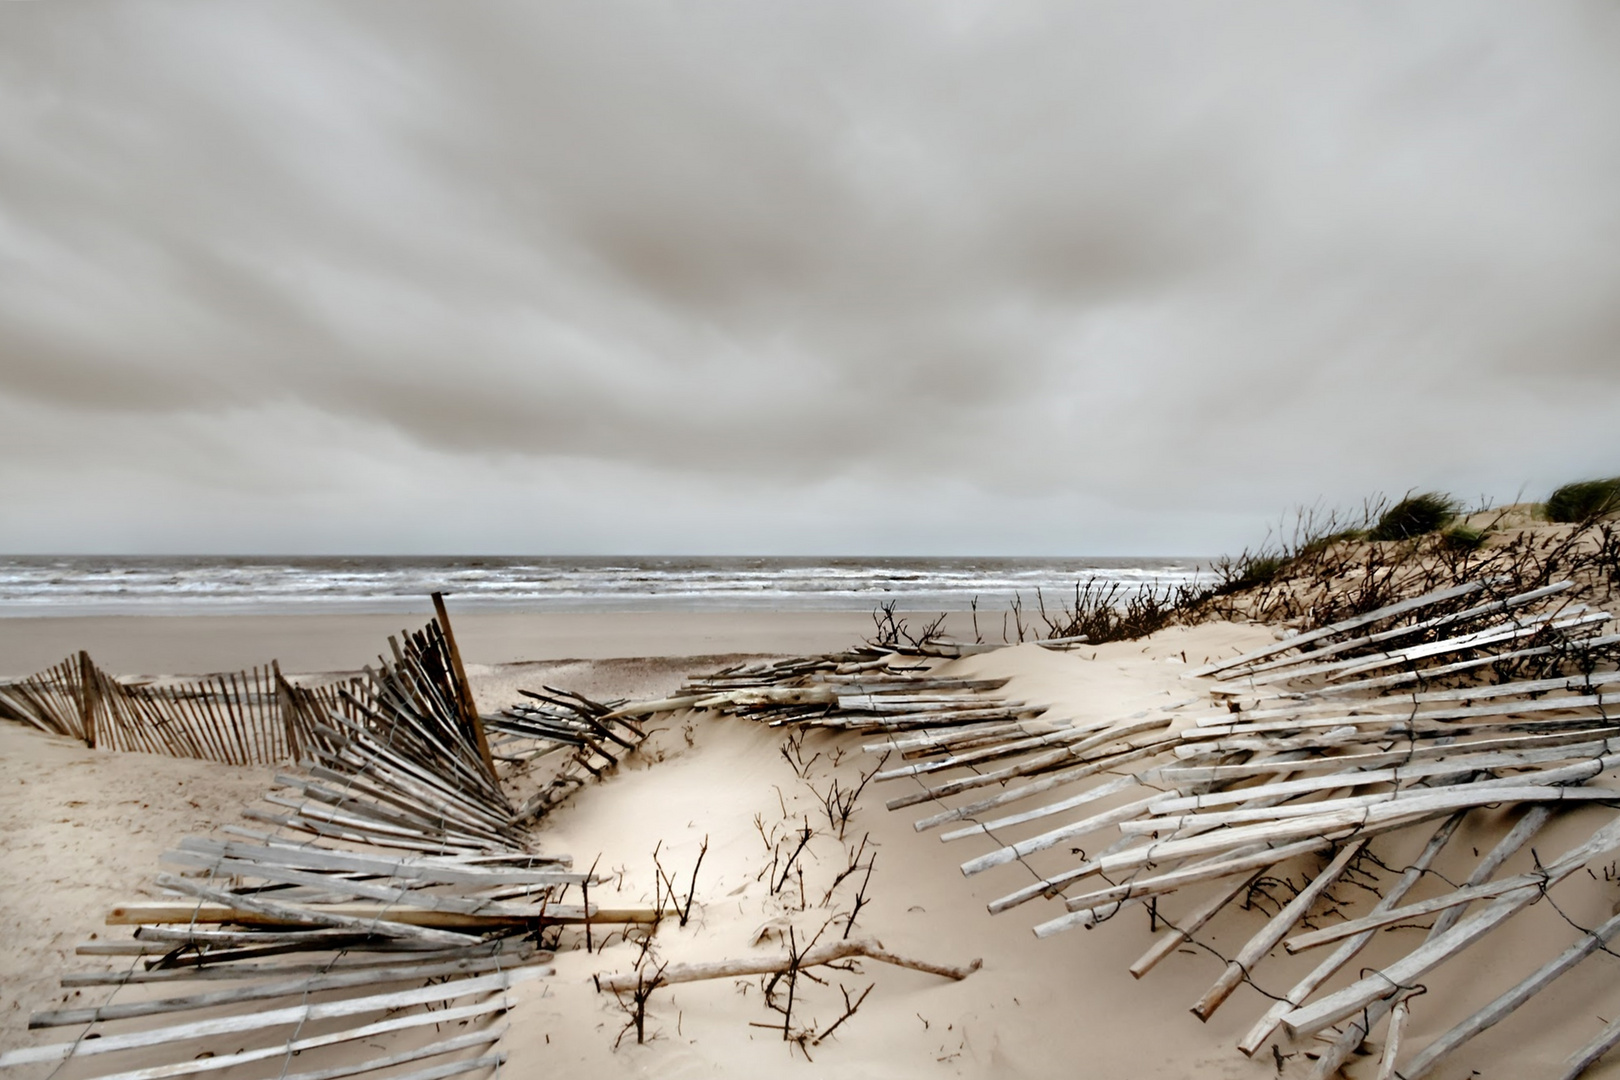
391, 893
1267, 674
1412, 629
1076, 741
1512, 630
1402, 775
1104, 763
207, 970
1477, 640
1101, 791
1091, 908
1179, 775
222, 905
422, 869
1040, 763
1409, 912
1423, 675
1380, 806
768, 965
1045, 840
462, 686
1359, 816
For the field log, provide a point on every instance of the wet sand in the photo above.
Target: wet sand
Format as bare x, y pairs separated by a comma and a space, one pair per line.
190, 644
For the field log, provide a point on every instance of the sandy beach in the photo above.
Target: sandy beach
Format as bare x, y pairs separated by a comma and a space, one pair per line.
194, 644
85, 831
96, 823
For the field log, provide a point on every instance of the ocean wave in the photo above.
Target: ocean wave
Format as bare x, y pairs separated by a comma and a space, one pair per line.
82, 585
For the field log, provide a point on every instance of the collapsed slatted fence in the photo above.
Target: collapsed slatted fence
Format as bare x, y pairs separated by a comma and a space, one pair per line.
252, 717
395, 880
1318, 749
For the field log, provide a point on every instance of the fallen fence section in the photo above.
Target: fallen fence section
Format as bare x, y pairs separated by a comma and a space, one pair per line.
1298, 761
384, 889
252, 717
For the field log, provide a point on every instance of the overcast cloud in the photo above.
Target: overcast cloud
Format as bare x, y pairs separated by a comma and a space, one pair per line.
866, 277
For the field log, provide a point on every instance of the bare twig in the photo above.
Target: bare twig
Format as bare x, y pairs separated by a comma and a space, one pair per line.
860, 895
849, 1011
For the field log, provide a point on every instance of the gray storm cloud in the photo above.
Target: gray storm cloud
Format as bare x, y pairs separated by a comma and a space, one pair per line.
866, 277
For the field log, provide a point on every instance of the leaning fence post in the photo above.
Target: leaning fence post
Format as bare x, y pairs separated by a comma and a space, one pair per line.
87, 699
467, 708
288, 707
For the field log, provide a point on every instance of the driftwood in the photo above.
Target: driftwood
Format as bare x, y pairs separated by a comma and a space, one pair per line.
1392, 1041
425, 870
770, 965
1184, 929
434, 1072
1101, 791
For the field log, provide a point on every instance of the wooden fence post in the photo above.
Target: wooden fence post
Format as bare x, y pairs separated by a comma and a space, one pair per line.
87, 699
287, 705
464, 695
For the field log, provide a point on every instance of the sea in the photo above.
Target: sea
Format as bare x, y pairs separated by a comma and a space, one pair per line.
195, 585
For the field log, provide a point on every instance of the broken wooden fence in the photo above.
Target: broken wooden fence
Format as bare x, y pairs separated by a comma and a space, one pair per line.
252, 717
395, 894
1319, 749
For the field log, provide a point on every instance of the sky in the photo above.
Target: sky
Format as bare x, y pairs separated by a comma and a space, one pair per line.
834, 278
